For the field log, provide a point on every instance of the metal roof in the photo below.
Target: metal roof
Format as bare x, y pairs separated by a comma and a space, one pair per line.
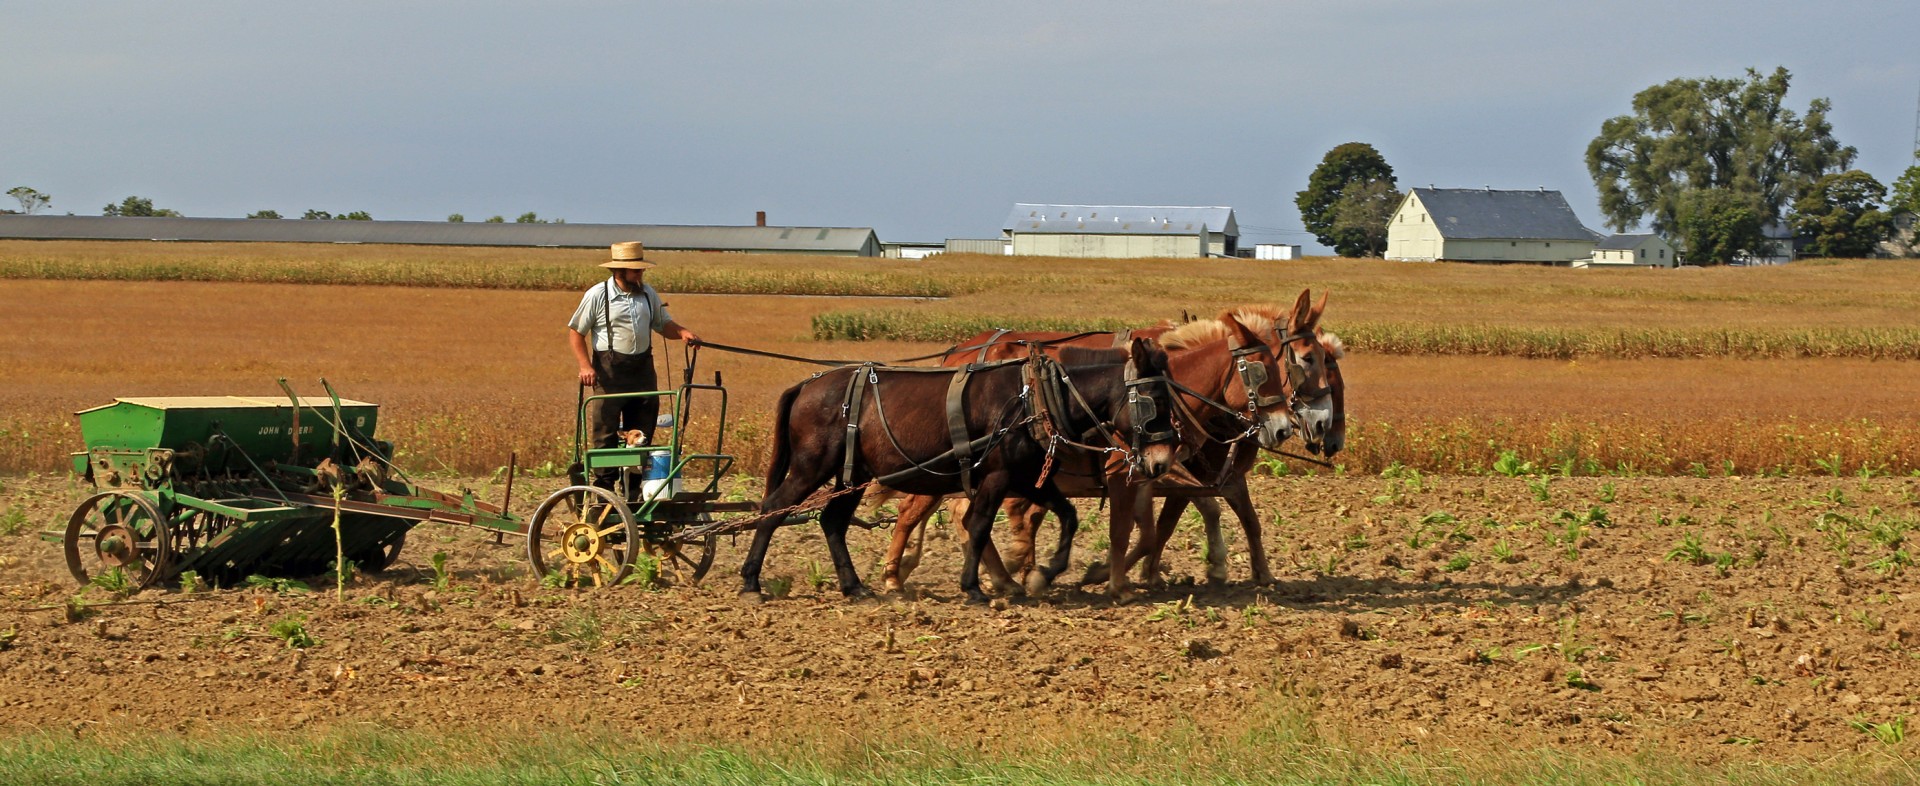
855, 241
1482, 213
1621, 242
1120, 219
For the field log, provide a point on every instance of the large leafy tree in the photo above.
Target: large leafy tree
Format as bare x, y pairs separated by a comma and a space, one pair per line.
1356, 167
1731, 135
1906, 192
1841, 216
1712, 226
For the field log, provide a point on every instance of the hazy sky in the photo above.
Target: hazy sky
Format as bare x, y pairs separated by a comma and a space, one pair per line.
923, 120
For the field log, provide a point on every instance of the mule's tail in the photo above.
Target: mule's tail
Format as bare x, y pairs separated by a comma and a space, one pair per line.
782, 451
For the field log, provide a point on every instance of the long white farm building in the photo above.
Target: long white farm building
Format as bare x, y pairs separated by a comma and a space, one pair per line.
1121, 231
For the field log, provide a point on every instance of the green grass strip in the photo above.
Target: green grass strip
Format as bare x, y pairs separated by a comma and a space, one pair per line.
1267, 755
1418, 339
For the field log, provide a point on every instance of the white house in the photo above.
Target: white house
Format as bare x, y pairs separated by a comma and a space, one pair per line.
1631, 251
1486, 225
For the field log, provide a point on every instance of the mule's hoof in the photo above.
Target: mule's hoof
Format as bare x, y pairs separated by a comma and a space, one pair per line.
752, 598
858, 592
1037, 583
978, 598
1217, 579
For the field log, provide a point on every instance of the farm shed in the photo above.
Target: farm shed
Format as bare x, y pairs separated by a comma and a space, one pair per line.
1486, 225
828, 241
967, 245
1630, 251
1276, 251
1121, 231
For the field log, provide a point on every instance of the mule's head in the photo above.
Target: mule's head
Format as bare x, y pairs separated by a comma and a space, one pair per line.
1258, 386
1145, 417
1308, 359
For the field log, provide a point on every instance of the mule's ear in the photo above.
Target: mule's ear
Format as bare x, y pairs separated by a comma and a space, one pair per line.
1318, 309
1300, 317
1147, 356
1243, 335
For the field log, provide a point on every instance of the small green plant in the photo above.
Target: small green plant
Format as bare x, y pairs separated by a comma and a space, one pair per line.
1503, 552
190, 582
1723, 562
13, 520
1607, 492
277, 586
1577, 678
1251, 615
1689, 550
1831, 464
1180, 610
645, 573
1891, 565
1460, 562
1511, 465
779, 586
114, 580
817, 577
1541, 487
441, 576
580, 630
292, 629
1892, 732
553, 580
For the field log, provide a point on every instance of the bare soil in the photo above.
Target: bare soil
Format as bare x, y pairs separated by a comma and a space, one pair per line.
1468, 613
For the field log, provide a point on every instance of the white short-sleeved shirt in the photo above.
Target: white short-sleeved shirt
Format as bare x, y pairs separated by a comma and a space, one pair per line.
630, 314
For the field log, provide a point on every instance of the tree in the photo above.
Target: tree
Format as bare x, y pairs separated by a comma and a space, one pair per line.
357, 215
528, 218
137, 207
1361, 215
265, 214
31, 201
1712, 226
1728, 135
456, 219
496, 220
317, 215
1840, 215
1344, 167
1906, 192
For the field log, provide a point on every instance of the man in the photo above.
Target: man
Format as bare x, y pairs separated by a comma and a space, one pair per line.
611, 342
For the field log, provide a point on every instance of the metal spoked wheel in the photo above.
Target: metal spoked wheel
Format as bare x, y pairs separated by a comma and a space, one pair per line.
118, 530
582, 536
684, 563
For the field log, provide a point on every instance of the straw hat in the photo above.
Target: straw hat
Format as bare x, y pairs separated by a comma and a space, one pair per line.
629, 256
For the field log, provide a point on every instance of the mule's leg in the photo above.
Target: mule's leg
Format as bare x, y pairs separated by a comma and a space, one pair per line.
790, 492
1237, 497
997, 578
1209, 508
1125, 501
915, 509
981, 508
1042, 576
1148, 551
833, 523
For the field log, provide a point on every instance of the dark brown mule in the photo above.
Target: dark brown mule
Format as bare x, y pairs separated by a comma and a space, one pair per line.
1013, 417
1310, 359
1213, 380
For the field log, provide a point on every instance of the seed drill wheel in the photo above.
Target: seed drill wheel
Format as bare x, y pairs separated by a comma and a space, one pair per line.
684, 563
584, 535
118, 529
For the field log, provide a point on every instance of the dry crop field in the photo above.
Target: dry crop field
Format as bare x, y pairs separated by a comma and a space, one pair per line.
1788, 370
1673, 553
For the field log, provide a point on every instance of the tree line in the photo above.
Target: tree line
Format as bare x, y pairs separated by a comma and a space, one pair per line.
33, 201
1708, 164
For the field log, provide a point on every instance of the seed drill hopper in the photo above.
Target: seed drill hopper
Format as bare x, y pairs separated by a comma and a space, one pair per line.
228, 486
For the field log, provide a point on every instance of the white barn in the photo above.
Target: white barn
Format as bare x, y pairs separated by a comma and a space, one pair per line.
1486, 225
1121, 231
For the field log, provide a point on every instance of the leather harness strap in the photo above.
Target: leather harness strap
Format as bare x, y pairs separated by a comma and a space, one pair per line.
991, 340
957, 423
862, 376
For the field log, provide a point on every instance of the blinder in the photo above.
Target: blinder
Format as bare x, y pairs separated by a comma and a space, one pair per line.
1253, 375
1142, 409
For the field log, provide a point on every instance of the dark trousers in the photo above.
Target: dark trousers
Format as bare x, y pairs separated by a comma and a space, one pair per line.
618, 373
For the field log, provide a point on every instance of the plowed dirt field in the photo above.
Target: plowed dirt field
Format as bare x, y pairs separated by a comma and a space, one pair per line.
1710, 618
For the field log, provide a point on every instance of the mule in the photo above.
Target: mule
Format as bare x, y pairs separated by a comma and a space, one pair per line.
1229, 387
986, 430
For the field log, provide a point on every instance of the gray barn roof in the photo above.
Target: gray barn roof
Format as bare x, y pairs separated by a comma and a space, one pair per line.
1120, 219
1621, 242
1479, 213
850, 241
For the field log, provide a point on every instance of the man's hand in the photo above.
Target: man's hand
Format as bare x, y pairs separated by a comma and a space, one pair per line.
586, 376
688, 336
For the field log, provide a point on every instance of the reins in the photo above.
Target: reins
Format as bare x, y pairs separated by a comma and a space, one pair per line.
949, 351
